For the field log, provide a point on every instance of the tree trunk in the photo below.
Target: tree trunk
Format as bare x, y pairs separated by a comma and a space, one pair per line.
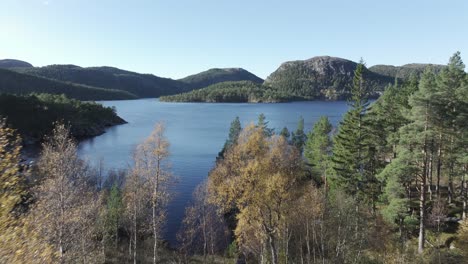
439, 164
422, 215
422, 197
273, 249
134, 238
155, 236
464, 191
430, 173
307, 241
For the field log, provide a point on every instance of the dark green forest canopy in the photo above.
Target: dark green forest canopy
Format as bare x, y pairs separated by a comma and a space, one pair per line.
141, 85
33, 115
404, 72
233, 92
24, 84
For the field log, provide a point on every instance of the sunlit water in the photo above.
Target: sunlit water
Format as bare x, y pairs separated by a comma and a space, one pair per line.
197, 132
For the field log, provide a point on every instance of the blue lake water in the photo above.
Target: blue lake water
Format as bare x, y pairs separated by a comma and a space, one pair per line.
197, 132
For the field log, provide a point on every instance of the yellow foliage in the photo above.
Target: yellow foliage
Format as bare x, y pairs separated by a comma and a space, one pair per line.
256, 177
19, 242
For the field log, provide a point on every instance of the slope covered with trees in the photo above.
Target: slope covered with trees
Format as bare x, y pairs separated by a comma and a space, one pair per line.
404, 72
141, 85
216, 75
24, 84
231, 92
34, 115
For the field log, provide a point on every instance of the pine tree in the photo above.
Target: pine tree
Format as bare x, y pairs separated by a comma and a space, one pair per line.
416, 139
285, 133
318, 147
451, 82
350, 159
263, 124
234, 132
298, 137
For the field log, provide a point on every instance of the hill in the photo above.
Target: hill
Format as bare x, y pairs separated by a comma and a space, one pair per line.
405, 71
231, 92
216, 75
10, 63
322, 77
141, 85
23, 84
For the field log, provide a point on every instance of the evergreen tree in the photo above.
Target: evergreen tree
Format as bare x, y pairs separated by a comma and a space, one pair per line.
263, 124
451, 82
318, 147
234, 132
285, 133
416, 139
114, 211
351, 159
298, 137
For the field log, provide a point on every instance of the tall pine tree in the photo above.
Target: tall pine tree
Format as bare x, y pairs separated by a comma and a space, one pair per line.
351, 160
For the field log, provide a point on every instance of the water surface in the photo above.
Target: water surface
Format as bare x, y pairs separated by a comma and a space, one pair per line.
197, 132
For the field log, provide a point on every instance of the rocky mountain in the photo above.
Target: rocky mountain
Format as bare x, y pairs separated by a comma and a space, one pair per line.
10, 63
216, 75
322, 77
141, 85
23, 84
405, 71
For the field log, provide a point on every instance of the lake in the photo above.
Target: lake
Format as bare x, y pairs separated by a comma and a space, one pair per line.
197, 132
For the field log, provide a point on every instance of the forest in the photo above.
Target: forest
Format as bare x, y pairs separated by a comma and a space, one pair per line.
33, 115
232, 92
387, 185
24, 84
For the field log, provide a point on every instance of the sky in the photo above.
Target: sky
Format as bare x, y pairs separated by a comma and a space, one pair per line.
174, 39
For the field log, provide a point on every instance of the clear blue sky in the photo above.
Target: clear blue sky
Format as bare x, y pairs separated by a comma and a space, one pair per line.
173, 38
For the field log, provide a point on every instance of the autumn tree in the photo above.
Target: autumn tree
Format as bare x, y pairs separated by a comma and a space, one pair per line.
257, 178
19, 241
203, 230
66, 204
148, 186
135, 197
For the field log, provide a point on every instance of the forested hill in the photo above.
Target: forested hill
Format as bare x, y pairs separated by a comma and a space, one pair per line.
10, 63
23, 84
322, 77
141, 85
212, 76
404, 72
232, 92
34, 115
